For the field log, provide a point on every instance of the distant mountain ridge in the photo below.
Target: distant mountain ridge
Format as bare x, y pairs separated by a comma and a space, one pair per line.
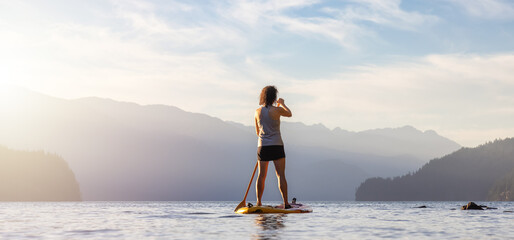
469, 174
405, 140
126, 151
404, 147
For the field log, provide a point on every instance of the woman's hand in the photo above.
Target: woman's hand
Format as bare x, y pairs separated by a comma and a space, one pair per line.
283, 109
280, 101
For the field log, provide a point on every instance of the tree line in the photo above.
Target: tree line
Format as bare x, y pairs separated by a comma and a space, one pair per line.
36, 176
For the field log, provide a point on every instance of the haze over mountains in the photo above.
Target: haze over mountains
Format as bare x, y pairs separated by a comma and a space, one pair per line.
125, 151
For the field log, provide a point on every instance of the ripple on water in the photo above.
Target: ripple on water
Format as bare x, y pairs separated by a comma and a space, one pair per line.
231, 216
87, 231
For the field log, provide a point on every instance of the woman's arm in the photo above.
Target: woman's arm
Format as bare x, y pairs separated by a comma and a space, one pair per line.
256, 124
283, 109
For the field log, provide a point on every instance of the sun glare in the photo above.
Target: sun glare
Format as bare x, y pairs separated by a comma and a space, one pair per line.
11, 98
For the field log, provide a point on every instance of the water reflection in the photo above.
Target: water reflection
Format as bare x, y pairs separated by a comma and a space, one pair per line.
270, 225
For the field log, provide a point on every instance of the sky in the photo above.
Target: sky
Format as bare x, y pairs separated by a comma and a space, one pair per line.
443, 65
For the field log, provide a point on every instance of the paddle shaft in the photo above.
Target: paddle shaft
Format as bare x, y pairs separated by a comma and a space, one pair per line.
250, 183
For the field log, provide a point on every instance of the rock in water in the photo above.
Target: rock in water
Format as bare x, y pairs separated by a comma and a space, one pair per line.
471, 206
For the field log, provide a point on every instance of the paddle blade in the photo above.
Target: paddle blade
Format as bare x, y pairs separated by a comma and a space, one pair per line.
241, 204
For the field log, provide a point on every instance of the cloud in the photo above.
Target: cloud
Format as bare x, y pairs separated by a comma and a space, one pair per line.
450, 93
490, 9
77, 60
383, 12
254, 12
339, 24
170, 31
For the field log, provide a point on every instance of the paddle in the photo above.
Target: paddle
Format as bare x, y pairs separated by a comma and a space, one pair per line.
243, 203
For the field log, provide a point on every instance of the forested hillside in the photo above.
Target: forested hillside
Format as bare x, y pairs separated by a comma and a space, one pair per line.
36, 176
481, 173
503, 189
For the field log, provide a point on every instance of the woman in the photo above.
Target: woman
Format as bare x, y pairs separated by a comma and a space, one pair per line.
270, 145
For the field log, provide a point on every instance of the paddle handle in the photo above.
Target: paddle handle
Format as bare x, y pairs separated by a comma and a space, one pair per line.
251, 180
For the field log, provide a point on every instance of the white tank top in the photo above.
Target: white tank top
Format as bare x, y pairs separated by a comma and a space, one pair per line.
269, 129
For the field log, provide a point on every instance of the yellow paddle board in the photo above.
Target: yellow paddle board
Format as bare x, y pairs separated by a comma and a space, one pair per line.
295, 208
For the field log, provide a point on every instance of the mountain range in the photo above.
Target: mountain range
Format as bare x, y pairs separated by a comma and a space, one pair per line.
125, 151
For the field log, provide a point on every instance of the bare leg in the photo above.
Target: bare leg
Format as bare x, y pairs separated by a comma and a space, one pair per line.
280, 168
261, 179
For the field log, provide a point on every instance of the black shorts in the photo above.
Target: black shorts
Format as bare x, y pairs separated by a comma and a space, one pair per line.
270, 153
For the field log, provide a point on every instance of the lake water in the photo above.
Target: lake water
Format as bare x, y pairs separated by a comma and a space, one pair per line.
215, 220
